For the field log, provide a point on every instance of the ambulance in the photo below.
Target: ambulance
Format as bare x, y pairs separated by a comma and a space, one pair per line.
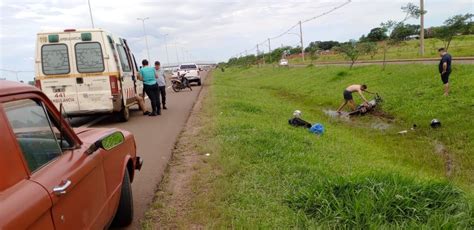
88, 71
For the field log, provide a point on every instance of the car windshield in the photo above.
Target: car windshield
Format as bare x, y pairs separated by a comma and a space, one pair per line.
188, 67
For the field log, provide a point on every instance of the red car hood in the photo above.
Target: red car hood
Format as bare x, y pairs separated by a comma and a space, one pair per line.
90, 135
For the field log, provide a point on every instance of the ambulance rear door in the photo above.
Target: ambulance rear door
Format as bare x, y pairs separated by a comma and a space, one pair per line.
93, 77
54, 70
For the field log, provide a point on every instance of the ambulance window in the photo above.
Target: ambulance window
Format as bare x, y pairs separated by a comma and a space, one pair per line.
55, 59
89, 57
123, 59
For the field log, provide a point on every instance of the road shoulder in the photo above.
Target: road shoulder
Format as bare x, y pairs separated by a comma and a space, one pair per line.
174, 199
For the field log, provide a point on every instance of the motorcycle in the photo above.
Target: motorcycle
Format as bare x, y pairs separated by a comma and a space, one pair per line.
367, 107
180, 82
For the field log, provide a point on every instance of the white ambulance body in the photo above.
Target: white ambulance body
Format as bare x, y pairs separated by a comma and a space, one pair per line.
89, 71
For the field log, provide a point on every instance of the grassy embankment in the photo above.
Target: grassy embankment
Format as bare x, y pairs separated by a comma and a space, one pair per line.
461, 46
262, 173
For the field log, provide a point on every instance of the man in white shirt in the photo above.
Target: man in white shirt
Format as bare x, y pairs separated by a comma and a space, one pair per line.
161, 80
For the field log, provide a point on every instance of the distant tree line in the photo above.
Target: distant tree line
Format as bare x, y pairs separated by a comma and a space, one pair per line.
387, 34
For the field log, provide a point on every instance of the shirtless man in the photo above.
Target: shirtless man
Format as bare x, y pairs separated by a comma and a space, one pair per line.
348, 96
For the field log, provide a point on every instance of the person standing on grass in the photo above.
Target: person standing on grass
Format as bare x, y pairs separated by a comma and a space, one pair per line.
445, 69
147, 75
160, 79
348, 96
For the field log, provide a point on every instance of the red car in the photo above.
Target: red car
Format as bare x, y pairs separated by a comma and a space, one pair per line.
56, 177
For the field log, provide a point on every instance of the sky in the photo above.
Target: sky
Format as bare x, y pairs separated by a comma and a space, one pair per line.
204, 30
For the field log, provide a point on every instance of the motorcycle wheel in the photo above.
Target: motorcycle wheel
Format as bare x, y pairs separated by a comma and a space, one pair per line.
176, 87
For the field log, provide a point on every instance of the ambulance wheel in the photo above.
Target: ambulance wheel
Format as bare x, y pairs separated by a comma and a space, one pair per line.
124, 114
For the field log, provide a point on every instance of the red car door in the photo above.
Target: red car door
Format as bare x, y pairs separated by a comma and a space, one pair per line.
74, 180
24, 203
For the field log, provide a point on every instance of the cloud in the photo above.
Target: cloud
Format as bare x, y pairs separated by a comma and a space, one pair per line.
207, 29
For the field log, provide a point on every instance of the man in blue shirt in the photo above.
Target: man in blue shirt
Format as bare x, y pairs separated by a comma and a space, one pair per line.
147, 75
445, 69
160, 79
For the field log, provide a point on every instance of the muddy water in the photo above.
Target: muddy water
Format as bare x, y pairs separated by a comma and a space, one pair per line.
334, 114
379, 124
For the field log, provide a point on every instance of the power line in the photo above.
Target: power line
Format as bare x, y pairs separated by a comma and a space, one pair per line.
298, 24
327, 12
17, 71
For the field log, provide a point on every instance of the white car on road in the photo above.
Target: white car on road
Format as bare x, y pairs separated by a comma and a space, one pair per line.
192, 72
283, 63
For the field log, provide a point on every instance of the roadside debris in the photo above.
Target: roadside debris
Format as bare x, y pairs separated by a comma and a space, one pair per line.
435, 123
296, 121
317, 129
297, 114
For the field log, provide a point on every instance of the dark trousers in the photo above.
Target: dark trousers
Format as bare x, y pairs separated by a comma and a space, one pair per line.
152, 92
162, 90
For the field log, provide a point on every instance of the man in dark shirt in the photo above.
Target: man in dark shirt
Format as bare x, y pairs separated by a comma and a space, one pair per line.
445, 69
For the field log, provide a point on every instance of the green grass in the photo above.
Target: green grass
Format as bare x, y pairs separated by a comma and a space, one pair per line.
461, 46
263, 173
381, 201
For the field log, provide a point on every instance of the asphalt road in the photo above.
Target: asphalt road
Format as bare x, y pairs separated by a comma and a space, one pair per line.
155, 138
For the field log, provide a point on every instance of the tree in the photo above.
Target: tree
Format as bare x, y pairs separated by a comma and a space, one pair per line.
312, 46
403, 31
352, 50
327, 45
294, 50
321, 45
469, 29
370, 48
413, 11
452, 26
377, 34
389, 26
313, 55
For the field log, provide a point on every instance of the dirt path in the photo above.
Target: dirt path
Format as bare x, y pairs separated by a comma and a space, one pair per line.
175, 193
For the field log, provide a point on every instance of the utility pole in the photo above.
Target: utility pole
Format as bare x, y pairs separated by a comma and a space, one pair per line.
301, 38
422, 28
146, 39
90, 13
270, 50
176, 49
184, 56
166, 47
258, 51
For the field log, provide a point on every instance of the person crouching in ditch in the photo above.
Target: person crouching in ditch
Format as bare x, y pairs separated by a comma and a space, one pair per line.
348, 96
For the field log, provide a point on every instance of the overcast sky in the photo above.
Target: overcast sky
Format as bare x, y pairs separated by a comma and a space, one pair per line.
199, 30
